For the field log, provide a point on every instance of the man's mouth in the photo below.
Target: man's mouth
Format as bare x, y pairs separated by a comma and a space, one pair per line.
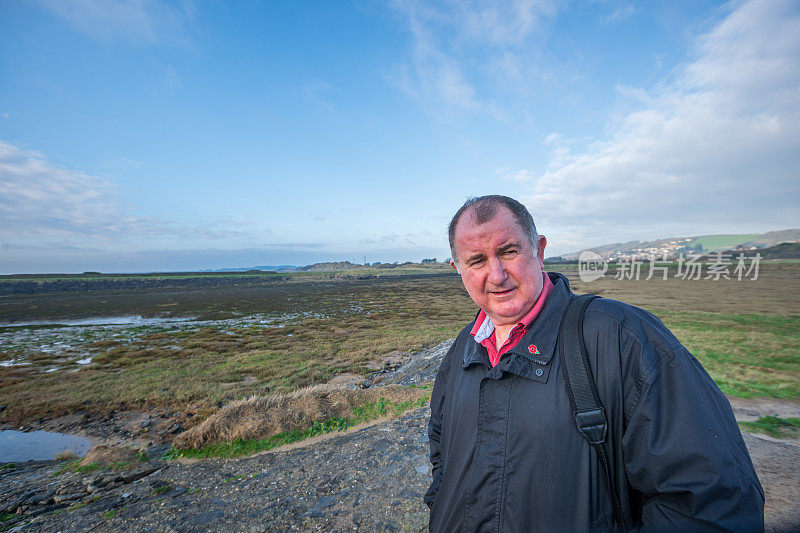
503, 292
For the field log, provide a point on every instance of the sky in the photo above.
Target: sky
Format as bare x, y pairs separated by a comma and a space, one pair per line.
148, 135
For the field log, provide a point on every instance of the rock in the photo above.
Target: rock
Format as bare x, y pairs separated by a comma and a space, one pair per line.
145, 424
43, 498
138, 473
61, 498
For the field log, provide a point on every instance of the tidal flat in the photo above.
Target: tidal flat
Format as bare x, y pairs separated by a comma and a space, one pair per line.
79, 359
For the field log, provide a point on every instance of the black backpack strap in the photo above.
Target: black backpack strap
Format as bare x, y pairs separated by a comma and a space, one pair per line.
590, 416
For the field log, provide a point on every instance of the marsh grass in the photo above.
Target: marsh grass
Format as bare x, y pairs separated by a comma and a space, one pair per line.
194, 370
74, 466
65, 455
746, 333
364, 412
261, 417
774, 426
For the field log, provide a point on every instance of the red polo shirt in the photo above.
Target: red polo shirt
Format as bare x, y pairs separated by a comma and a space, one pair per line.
483, 330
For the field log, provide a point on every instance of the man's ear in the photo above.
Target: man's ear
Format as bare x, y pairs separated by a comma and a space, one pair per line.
453, 265
542, 244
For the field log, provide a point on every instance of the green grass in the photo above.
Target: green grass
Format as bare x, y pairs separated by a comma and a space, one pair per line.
747, 355
111, 513
364, 413
161, 489
774, 426
7, 465
715, 243
74, 467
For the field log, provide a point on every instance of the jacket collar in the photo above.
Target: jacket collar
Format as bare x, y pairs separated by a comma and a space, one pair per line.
543, 334
544, 330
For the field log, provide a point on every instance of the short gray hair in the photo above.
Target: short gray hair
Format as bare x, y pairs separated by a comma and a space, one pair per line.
485, 208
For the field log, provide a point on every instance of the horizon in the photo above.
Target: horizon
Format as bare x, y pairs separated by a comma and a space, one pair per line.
158, 136
353, 261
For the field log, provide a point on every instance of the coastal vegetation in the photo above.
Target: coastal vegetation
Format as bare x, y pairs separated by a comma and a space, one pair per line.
197, 351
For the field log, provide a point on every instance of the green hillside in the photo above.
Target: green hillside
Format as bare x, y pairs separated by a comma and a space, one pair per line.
717, 243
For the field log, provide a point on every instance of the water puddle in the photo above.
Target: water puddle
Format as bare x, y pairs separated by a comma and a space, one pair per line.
130, 320
18, 446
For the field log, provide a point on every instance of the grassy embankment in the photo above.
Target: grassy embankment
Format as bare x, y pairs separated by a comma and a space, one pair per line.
746, 333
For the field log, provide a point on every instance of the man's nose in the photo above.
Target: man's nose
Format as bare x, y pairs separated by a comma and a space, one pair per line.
497, 272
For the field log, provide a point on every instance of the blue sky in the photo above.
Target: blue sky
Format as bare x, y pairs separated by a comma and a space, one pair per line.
141, 135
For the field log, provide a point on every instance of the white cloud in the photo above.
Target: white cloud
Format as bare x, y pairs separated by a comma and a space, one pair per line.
149, 21
717, 149
450, 38
39, 199
44, 204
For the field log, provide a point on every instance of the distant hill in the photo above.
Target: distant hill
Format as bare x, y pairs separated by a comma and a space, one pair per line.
698, 244
427, 265
329, 267
272, 268
787, 250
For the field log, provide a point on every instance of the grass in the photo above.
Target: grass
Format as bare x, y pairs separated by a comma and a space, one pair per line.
7, 465
161, 489
239, 447
747, 355
74, 466
111, 513
400, 314
774, 426
714, 243
746, 333
65, 455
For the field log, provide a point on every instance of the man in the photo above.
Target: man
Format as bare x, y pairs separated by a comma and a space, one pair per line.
506, 452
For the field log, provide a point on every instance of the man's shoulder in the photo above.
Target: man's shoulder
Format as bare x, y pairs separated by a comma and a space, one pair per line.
604, 314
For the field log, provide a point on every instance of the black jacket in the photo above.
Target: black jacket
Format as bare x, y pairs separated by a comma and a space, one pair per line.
507, 455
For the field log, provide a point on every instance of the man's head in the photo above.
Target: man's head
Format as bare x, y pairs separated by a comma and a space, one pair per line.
485, 207
499, 255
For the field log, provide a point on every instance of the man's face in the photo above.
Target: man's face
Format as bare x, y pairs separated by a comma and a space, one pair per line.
498, 266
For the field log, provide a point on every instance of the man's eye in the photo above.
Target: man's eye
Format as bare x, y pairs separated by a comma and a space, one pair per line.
510, 253
477, 262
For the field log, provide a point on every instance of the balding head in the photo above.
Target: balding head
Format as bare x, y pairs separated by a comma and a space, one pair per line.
484, 209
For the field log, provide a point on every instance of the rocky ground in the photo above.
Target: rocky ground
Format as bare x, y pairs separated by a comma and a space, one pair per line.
370, 478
